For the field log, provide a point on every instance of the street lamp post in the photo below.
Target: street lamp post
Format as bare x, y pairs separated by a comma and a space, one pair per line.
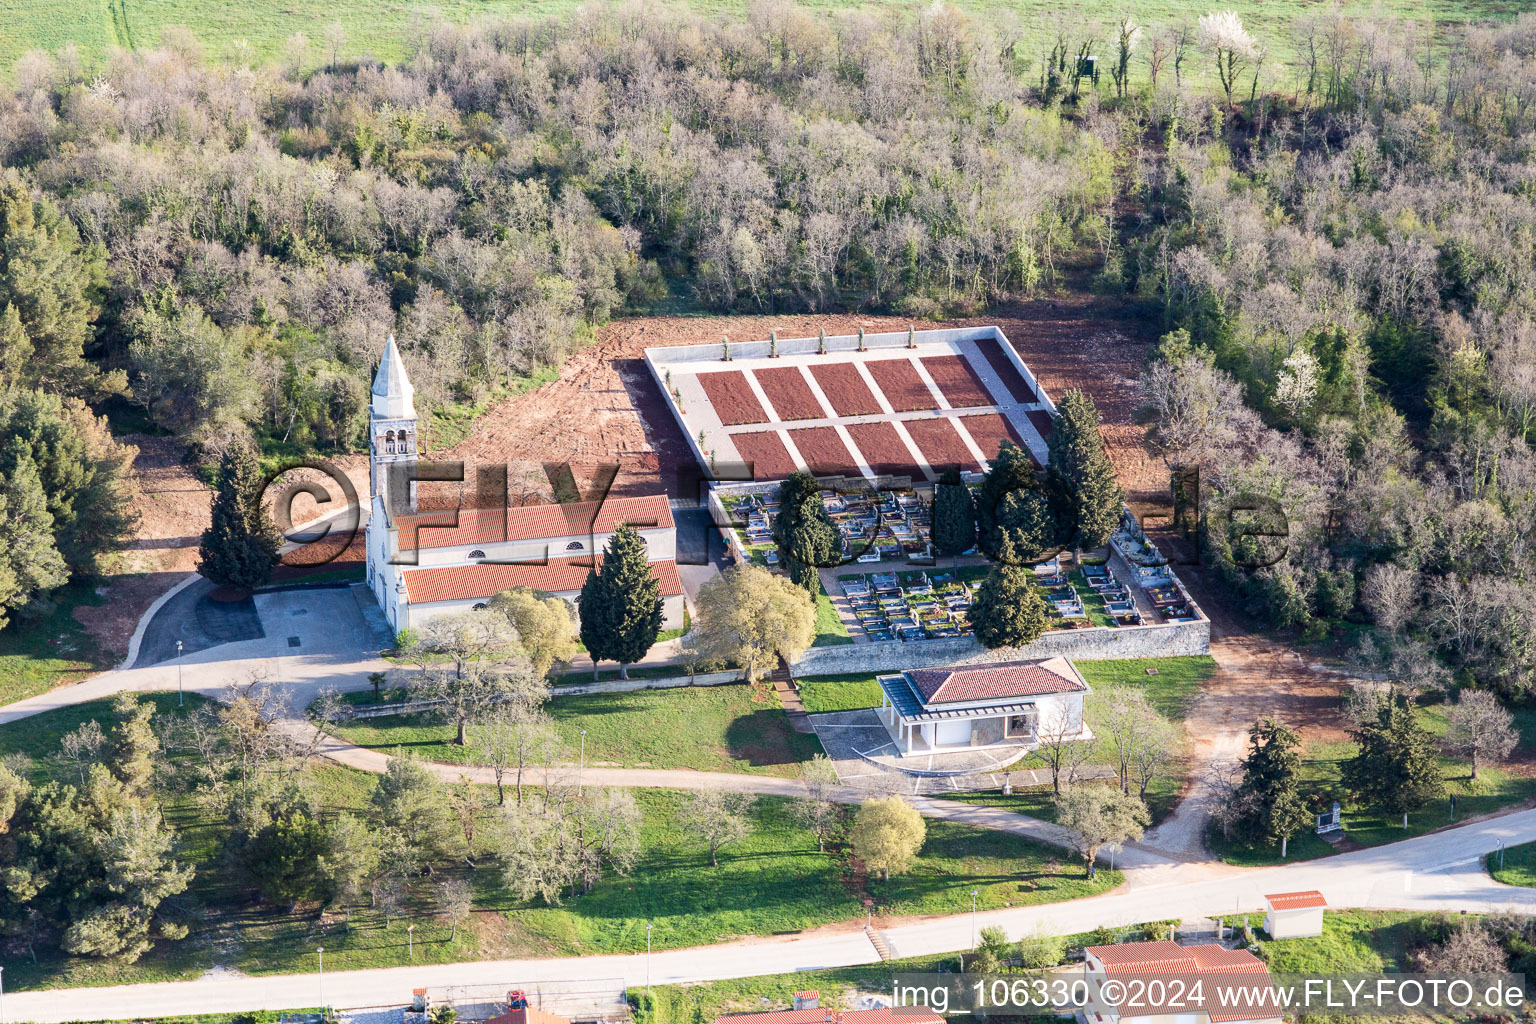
648, 962
180, 699
973, 918
2, 994
581, 769
320, 952
410, 940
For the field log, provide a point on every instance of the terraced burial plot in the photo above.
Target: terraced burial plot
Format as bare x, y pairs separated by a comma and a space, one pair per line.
940, 443
1042, 421
823, 451
957, 381
789, 394
883, 449
992, 350
990, 430
903, 388
732, 398
765, 453
845, 388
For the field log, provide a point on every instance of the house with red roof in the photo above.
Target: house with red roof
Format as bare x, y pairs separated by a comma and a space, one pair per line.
1166, 983
424, 564
968, 707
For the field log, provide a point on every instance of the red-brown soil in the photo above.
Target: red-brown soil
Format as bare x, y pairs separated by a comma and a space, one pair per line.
989, 430
882, 448
845, 389
789, 394
732, 398
940, 444
959, 384
823, 451
903, 388
1009, 374
765, 453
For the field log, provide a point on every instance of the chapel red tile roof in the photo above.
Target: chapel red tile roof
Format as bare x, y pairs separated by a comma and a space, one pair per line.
896, 1015
557, 576
528, 1015
1166, 959
1005, 679
1296, 900
531, 522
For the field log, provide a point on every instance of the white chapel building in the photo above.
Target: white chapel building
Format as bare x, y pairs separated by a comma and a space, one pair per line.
424, 564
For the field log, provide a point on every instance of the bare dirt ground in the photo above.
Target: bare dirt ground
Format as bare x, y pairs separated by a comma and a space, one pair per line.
1257, 678
604, 407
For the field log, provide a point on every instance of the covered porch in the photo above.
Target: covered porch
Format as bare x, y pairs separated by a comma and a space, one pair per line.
916, 729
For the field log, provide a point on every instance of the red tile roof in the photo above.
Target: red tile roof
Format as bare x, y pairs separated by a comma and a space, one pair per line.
1165, 959
557, 576
531, 522
528, 1015
1296, 900
896, 1015
1006, 679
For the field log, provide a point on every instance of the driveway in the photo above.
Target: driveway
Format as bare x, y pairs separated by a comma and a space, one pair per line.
309, 638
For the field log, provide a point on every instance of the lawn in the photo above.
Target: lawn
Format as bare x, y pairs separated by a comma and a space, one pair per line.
830, 630
1515, 866
707, 728
772, 882
1353, 942
1494, 790
847, 692
1175, 684
37, 654
1040, 801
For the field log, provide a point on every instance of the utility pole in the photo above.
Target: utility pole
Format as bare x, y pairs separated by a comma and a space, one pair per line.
647, 962
320, 952
180, 699
973, 918
410, 940
581, 769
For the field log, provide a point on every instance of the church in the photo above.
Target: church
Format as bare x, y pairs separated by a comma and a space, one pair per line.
425, 564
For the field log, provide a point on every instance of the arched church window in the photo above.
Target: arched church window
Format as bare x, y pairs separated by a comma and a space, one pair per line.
479, 607
477, 553
575, 545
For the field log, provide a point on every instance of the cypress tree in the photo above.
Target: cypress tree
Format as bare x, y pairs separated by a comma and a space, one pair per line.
1077, 453
804, 531
240, 545
29, 558
954, 516
1008, 610
1012, 471
621, 604
1396, 769
1271, 783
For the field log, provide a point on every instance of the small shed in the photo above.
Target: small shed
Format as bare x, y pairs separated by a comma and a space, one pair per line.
1295, 915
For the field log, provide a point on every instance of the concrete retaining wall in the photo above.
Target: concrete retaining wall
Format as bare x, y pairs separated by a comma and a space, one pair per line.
1166, 640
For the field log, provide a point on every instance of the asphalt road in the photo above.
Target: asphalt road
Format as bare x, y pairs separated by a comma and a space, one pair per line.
1434, 872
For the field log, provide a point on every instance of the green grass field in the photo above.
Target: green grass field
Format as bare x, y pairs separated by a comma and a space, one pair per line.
708, 728
38, 654
772, 882
386, 30
1493, 790
1516, 866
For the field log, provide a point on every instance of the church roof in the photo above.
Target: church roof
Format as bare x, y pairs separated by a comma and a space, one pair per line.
556, 576
457, 528
1002, 680
390, 380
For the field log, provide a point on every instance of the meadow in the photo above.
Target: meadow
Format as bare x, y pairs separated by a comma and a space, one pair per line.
385, 29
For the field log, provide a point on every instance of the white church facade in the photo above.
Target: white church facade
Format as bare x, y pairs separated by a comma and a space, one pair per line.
424, 564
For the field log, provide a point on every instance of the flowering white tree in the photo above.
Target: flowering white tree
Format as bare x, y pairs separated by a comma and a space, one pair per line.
1222, 35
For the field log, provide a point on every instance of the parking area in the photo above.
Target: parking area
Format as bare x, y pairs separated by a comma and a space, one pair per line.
864, 757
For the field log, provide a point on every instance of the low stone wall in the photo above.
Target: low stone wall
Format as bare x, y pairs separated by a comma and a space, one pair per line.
1166, 640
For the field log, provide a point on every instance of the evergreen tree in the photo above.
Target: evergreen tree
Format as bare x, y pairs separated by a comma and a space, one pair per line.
1008, 610
1077, 453
52, 283
30, 563
1011, 471
954, 516
804, 532
621, 604
1396, 768
1270, 788
240, 545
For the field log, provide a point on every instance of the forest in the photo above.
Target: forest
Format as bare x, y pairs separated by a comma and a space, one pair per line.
1338, 250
